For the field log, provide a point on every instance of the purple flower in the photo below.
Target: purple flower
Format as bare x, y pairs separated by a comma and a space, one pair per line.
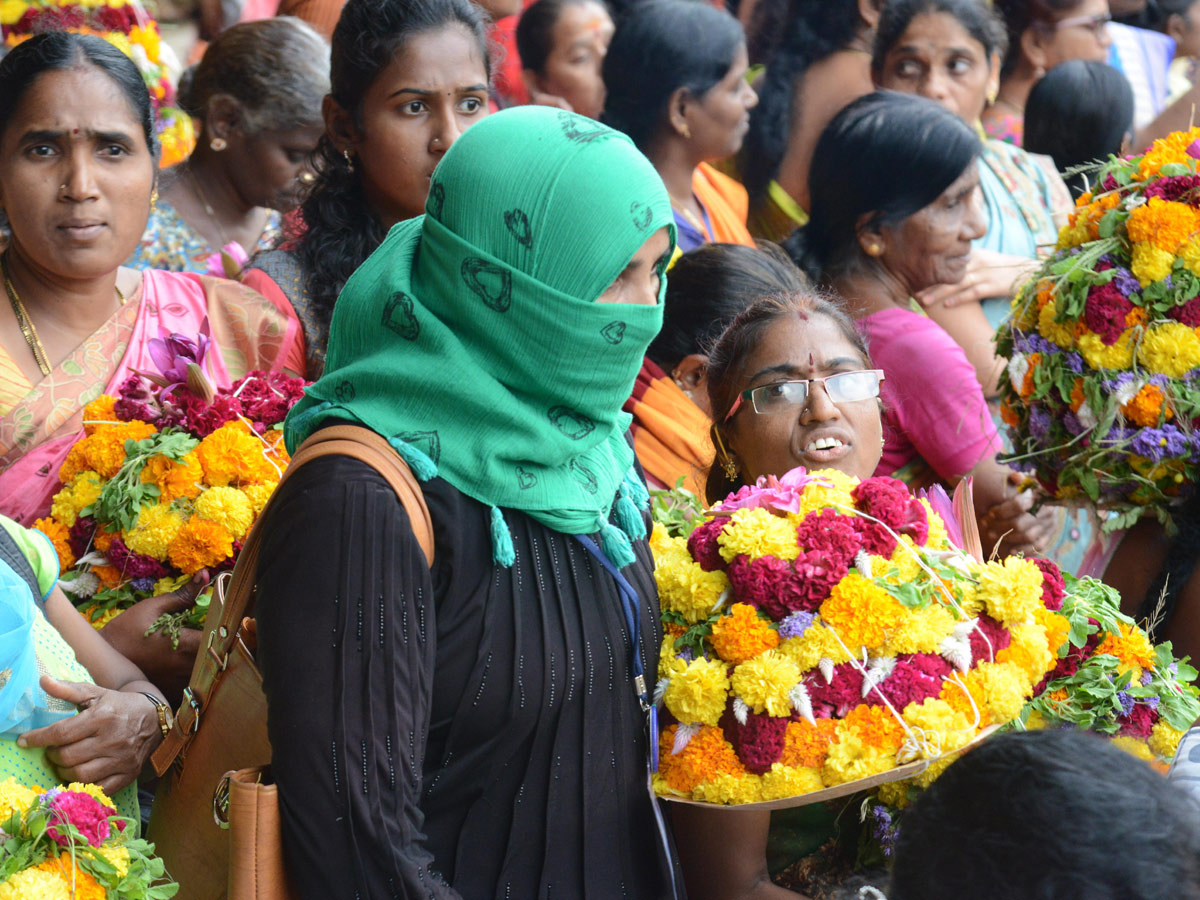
1072, 424
1113, 385
1039, 422
174, 353
143, 585
1075, 362
795, 624
1126, 283
884, 829
1147, 677
1151, 702
1126, 702
1157, 444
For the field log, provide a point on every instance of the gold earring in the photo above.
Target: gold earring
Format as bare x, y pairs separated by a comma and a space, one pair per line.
349, 160
874, 249
154, 196
992, 94
730, 468
62, 188
217, 144
685, 131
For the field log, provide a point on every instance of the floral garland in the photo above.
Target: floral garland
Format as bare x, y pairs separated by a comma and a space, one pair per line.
821, 631
1103, 387
70, 842
165, 482
127, 26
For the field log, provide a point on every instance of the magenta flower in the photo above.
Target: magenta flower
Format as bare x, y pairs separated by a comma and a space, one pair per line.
1193, 149
780, 494
83, 811
180, 359
227, 263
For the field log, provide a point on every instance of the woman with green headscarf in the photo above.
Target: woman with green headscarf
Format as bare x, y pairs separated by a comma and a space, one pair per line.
478, 729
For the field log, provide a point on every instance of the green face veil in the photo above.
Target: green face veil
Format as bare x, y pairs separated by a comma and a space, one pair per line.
472, 340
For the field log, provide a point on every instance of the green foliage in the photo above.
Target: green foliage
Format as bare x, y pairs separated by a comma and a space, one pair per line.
678, 510
125, 493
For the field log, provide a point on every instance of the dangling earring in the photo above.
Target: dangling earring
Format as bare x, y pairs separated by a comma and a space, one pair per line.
349, 160
728, 466
154, 196
217, 144
992, 94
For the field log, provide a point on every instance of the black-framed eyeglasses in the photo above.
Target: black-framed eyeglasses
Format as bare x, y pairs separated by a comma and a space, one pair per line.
1096, 24
783, 396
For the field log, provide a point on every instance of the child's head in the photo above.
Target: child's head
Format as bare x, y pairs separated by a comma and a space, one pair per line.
1049, 814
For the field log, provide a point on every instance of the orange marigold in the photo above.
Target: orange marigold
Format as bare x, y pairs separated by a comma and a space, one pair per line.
86, 887
1057, 628
673, 630
807, 745
1145, 407
1170, 149
199, 545
1164, 223
1136, 316
59, 535
110, 576
861, 613
953, 693
102, 539
1008, 415
707, 755
1035, 360
174, 479
104, 449
99, 412
1131, 646
876, 727
75, 462
742, 635
1077, 397
234, 455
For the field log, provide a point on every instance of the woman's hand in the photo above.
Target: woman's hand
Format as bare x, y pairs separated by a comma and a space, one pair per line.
989, 274
538, 98
166, 666
1013, 526
106, 743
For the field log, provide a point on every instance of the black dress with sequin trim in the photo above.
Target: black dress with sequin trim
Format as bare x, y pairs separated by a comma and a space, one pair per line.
471, 731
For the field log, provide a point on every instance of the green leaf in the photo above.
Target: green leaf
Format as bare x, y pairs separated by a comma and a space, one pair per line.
1175, 170
1108, 224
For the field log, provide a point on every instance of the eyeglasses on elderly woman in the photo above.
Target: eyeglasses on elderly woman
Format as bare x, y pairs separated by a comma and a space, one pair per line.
783, 396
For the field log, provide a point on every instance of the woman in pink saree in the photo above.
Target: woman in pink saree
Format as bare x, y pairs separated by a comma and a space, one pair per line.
77, 171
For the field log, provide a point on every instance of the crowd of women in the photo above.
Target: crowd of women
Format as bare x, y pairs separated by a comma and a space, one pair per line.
660, 243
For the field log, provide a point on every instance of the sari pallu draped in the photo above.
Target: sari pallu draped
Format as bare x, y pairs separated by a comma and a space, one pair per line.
38, 429
670, 432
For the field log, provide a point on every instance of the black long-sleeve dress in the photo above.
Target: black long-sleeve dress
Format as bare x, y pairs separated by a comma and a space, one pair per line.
467, 731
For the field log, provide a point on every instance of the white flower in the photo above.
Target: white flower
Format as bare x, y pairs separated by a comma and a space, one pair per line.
741, 711
826, 667
1086, 417
683, 737
877, 670
801, 702
1018, 366
84, 584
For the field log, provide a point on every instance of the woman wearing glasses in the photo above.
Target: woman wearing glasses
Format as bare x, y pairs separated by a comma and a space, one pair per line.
1042, 34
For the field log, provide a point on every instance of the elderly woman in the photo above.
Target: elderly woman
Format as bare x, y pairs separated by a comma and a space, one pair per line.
77, 169
895, 211
676, 80
478, 728
256, 96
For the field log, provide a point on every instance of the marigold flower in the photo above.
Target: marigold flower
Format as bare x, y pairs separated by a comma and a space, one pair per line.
830, 488
758, 532
945, 727
861, 613
786, 781
765, 681
231, 455
174, 478
1029, 650
1135, 747
1070, 236
1005, 690
1011, 589
1164, 223
99, 412
699, 692
727, 789
965, 696
35, 884
816, 643
1131, 647
199, 545
80, 885
1146, 407
1007, 415
806, 745
15, 798
1118, 356
851, 758
742, 635
104, 449
79, 493
1169, 149
59, 535
1170, 348
706, 756
874, 725
1164, 740
1060, 333
683, 586
110, 576
1056, 627
1026, 388
228, 507
259, 494
921, 631
156, 528
1150, 263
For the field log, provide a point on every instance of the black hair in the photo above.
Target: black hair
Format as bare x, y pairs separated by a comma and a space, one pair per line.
535, 30
661, 46
811, 31
1078, 112
276, 69
727, 361
976, 19
1158, 13
1018, 15
340, 231
1170, 583
885, 156
1049, 815
61, 50
708, 287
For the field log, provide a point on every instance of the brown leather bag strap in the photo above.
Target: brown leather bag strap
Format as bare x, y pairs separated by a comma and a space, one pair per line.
338, 440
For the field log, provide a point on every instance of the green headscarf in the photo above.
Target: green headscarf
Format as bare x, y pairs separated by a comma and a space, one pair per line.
471, 338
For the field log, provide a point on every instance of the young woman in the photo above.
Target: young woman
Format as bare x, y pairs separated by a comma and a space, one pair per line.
1041, 34
407, 77
562, 45
256, 99
675, 74
475, 729
77, 168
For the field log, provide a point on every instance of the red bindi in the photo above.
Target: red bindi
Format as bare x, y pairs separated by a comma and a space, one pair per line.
76, 131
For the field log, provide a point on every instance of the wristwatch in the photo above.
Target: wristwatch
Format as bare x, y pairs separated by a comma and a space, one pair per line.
166, 719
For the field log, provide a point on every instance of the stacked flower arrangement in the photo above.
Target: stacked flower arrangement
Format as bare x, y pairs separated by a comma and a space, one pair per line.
127, 26
167, 480
825, 635
1103, 388
70, 842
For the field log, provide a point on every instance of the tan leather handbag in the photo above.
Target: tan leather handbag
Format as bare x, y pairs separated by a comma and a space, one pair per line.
256, 870
221, 726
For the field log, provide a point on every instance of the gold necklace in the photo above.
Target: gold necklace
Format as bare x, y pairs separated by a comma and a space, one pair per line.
28, 331
696, 223
212, 216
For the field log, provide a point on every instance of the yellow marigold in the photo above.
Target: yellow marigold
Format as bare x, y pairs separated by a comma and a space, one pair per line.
1190, 254
1135, 747
758, 532
1146, 406
965, 696
707, 755
698, 692
1005, 690
118, 857
852, 758
35, 884
15, 798
875, 725
1131, 647
935, 769
228, 507
1150, 263
1169, 149
99, 621
80, 885
830, 488
259, 494
765, 682
1170, 348
166, 585
906, 559
99, 412
939, 538
1072, 236
1164, 223
806, 745
1055, 626
684, 587
94, 791
156, 527
862, 613
1011, 589
943, 727
731, 790
198, 545
1028, 651
104, 449
742, 635
1164, 740
895, 794
785, 781
59, 535
1091, 214
1036, 721
1060, 333
921, 631
232, 455
1118, 356
174, 479
810, 648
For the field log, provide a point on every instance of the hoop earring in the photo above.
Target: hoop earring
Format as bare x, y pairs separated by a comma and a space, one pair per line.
217, 144
349, 160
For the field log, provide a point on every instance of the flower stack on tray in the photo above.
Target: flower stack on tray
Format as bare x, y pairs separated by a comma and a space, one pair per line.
167, 481
825, 635
1103, 386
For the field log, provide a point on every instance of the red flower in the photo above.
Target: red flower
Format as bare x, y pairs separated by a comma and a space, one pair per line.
1139, 723
780, 588
840, 695
702, 544
1188, 314
831, 532
81, 534
997, 639
205, 418
889, 501
1105, 311
134, 565
758, 743
1053, 586
875, 538
1180, 188
916, 677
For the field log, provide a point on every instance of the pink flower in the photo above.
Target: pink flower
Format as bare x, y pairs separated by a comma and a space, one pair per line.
1139, 723
1188, 313
205, 418
916, 677
758, 743
1053, 586
997, 638
702, 544
830, 532
888, 500
134, 565
780, 494
1105, 312
175, 354
83, 811
780, 588
229, 262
